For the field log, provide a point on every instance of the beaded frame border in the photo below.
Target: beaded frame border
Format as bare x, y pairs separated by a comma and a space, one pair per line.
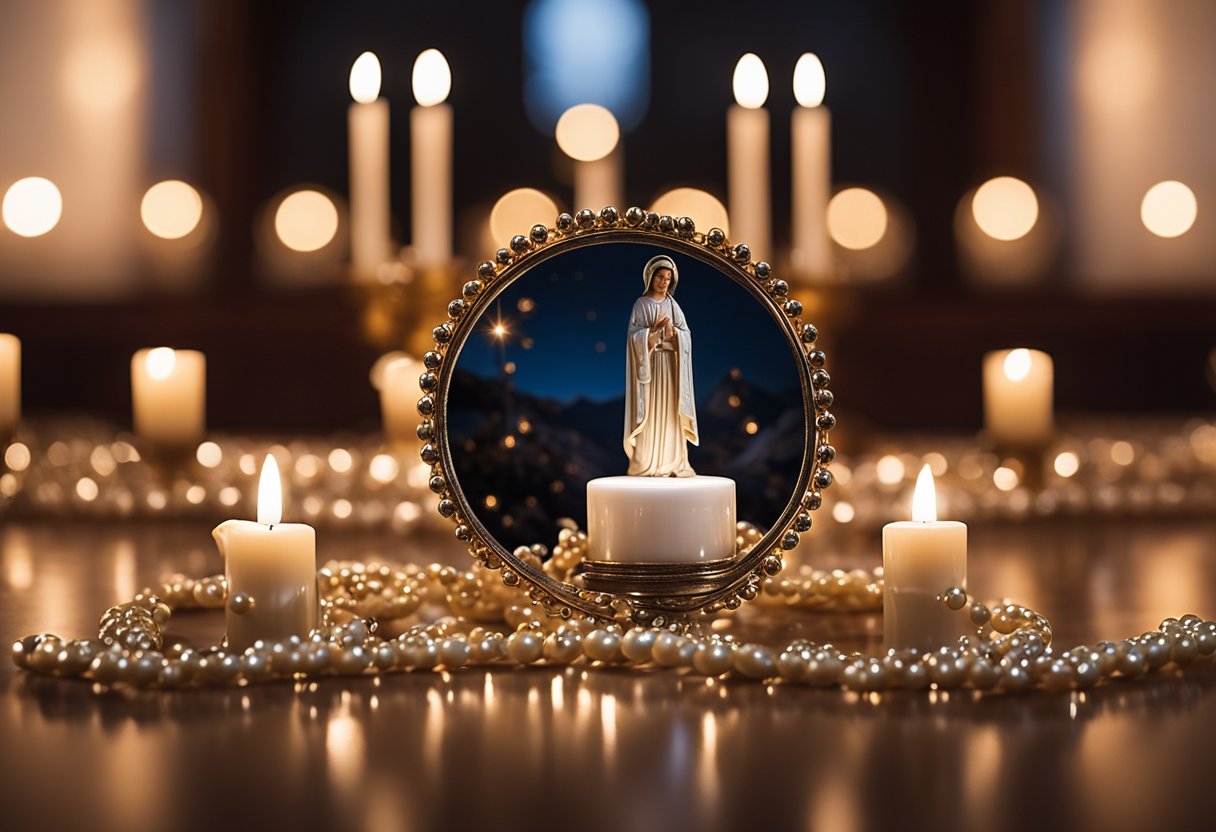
586, 228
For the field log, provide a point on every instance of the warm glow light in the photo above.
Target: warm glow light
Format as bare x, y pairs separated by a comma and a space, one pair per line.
1017, 364
519, 209
160, 362
750, 82
1169, 209
499, 330
1005, 208
889, 470
924, 497
810, 83
432, 78
701, 206
209, 455
17, 456
383, 468
843, 512
32, 206
857, 218
1067, 464
1006, 479
306, 221
365, 78
270, 493
587, 132
171, 209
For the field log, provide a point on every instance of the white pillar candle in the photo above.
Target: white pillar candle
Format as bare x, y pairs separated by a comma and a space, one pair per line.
368, 132
811, 170
10, 383
271, 569
921, 560
396, 377
660, 519
747, 145
1018, 398
168, 395
431, 161
599, 183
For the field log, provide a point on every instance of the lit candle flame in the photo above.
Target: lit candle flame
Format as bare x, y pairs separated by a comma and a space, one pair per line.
432, 78
160, 362
924, 498
810, 82
270, 494
1017, 364
365, 78
751, 82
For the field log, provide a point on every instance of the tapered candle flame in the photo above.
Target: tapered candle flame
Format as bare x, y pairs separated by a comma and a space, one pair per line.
1017, 364
924, 498
751, 82
161, 362
810, 83
365, 78
432, 79
270, 494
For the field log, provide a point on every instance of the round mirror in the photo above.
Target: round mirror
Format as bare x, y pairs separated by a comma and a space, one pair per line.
640, 381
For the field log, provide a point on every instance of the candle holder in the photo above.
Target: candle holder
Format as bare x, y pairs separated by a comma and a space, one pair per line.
509, 420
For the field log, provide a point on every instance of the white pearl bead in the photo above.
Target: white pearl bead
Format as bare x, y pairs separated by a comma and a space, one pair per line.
563, 648
667, 649
713, 658
755, 661
603, 645
454, 652
792, 665
1183, 649
983, 674
824, 669
525, 646
638, 644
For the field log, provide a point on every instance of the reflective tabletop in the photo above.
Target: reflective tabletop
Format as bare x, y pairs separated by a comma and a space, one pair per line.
615, 749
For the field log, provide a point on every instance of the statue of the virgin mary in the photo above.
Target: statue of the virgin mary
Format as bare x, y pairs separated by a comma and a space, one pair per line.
660, 412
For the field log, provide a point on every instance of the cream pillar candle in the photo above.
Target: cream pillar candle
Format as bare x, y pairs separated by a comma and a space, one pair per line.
168, 395
660, 519
271, 569
747, 145
431, 161
1018, 398
811, 170
396, 377
921, 560
599, 183
10, 383
368, 130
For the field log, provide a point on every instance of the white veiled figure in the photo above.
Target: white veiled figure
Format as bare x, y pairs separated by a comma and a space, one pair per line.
660, 412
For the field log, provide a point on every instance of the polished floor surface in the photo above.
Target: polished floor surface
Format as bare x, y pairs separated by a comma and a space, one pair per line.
592, 749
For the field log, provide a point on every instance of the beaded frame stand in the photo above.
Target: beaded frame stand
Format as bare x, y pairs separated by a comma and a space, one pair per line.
743, 581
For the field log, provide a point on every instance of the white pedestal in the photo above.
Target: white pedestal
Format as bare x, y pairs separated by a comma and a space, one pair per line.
660, 519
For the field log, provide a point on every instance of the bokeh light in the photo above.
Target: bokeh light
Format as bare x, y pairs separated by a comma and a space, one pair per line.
706, 210
857, 218
171, 209
1005, 208
306, 221
32, 206
1169, 209
518, 210
587, 132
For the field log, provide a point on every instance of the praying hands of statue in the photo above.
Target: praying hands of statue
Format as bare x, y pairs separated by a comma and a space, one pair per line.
661, 330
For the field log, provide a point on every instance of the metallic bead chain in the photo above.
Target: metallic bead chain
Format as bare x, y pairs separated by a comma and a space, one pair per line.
1010, 650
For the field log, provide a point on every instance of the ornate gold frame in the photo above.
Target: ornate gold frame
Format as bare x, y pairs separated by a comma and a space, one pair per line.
743, 580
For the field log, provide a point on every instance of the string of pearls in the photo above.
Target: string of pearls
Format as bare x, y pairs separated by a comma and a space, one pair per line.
1010, 650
